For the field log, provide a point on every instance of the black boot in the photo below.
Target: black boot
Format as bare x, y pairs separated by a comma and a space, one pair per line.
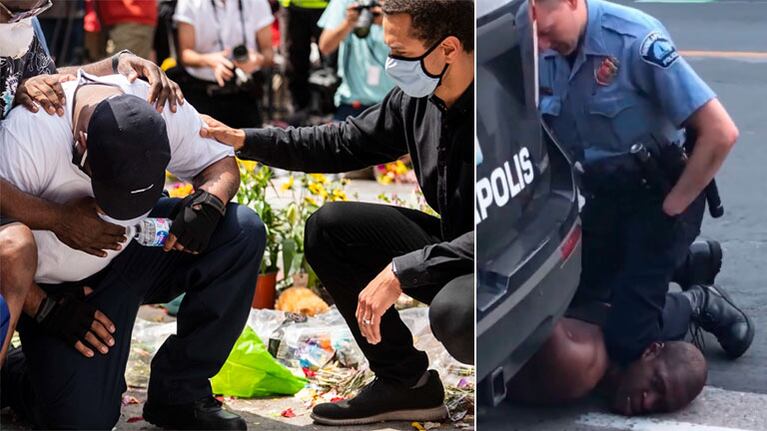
714, 311
702, 264
386, 401
203, 414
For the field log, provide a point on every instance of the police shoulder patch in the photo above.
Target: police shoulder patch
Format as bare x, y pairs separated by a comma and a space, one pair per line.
656, 49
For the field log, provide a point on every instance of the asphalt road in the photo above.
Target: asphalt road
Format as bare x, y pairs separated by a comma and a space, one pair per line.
726, 43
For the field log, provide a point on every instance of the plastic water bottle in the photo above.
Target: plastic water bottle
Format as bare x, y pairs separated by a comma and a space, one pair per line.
151, 232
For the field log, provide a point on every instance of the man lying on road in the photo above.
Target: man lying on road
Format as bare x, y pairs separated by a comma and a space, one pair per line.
574, 362
669, 373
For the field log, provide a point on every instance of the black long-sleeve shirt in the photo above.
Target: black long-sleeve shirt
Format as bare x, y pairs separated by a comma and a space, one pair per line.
440, 143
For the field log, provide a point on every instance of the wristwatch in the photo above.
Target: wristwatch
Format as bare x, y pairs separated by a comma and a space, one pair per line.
116, 59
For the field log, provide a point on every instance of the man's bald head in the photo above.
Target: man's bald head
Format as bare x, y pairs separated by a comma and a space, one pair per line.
667, 377
687, 372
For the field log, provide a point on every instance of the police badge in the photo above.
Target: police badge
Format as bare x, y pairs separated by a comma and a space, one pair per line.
605, 73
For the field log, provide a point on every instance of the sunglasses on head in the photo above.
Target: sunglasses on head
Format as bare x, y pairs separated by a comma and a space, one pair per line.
19, 15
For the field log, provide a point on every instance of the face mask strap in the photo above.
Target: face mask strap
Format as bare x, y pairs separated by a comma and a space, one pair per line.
420, 57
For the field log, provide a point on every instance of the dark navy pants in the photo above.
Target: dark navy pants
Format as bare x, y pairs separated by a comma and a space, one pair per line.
61, 388
630, 251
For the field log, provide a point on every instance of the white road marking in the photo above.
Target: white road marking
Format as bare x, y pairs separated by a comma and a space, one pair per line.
602, 420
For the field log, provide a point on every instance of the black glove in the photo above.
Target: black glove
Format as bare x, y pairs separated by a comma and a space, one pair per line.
195, 219
67, 317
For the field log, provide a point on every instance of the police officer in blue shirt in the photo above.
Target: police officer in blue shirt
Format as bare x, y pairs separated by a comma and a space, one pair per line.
610, 77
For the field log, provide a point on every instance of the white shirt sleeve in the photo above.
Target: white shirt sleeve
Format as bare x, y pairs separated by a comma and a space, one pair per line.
190, 153
186, 11
23, 160
262, 14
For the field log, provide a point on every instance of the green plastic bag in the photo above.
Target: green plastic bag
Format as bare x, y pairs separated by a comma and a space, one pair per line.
250, 371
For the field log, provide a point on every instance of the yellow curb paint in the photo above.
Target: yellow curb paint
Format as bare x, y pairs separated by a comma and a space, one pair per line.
754, 55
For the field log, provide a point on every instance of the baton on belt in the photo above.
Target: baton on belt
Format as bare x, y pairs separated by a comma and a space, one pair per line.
713, 199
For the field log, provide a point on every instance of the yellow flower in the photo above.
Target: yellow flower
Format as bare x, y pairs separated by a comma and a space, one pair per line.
385, 179
322, 179
339, 195
289, 184
317, 190
309, 200
400, 168
248, 165
181, 190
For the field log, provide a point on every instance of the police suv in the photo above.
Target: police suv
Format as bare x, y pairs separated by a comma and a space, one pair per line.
526, 207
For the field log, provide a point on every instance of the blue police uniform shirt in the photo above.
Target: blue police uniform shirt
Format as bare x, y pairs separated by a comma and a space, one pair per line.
627, 83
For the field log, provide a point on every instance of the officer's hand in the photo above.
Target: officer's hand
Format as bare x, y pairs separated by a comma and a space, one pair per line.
78, 323
80, 227
45, 91
673, 206
222, 133
195, 219
161, 89
374, 300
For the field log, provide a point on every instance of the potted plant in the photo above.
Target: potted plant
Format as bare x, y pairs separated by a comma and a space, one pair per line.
252, 193
308, 193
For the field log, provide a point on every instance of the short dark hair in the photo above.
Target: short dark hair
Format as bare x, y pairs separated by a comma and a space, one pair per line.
436, 19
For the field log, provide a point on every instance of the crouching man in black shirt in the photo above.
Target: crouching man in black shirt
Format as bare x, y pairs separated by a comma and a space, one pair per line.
368, 254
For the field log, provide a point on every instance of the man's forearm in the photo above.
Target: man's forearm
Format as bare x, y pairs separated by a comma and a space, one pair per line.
331, 38
221, 179
34, 212
99, 68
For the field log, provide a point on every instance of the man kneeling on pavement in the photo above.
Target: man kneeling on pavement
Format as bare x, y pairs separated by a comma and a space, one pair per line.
113, 146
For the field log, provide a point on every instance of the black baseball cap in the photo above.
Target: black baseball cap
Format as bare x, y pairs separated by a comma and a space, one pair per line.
128, 152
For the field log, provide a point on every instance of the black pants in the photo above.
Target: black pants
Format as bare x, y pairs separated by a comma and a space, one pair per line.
238, 110
301, 27
349, 243
60, 388
630, 251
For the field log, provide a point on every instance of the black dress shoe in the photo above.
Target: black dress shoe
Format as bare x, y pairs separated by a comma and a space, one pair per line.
203, 414
701, 266
387, 401
715, 312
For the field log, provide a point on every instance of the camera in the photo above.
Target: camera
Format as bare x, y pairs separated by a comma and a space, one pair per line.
365, 8
240, 53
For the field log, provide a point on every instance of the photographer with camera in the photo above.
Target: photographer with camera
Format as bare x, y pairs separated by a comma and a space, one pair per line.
222, 44
354, 29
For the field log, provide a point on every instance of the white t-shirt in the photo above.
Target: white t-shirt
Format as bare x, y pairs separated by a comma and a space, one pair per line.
222, 22
36, 156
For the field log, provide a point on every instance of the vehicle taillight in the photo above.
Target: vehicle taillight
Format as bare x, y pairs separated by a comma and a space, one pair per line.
572, 240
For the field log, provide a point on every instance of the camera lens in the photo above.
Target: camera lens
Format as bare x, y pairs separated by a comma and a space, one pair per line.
240, 53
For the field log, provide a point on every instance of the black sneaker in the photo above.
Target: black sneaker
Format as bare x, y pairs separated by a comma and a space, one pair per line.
715, 312
385, 401
204, 414
701, 266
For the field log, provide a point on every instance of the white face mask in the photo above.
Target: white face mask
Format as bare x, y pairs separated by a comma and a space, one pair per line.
124, 223
17, 38
410, 75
